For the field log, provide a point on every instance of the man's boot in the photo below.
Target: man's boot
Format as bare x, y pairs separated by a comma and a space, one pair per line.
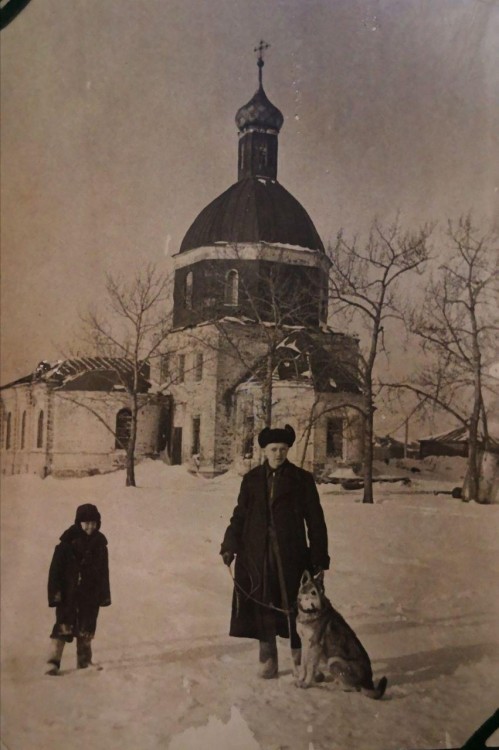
268, 660
57, 647
83, 652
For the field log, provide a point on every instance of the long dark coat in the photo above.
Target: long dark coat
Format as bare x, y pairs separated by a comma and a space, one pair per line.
78, 583
297, 514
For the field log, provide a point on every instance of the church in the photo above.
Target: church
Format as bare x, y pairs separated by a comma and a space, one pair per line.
251, 344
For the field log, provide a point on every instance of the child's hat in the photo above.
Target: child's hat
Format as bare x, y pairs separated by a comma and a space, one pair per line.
87, 512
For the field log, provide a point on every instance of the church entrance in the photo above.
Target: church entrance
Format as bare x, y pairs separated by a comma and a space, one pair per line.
177, 446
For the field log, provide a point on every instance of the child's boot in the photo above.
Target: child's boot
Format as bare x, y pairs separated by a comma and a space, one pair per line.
57, 647
83, 652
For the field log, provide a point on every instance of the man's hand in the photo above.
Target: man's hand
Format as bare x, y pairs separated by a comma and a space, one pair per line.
228, 557
56, 599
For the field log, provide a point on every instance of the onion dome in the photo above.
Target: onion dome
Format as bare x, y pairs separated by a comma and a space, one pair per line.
253, 210
259, 112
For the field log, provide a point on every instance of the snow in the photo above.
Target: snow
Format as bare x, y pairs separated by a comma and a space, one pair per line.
415, 574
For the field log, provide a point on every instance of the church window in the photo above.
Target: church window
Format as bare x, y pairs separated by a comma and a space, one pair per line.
196, 435
164, 368
262, 156
23, 430
334, 438
231, 296
39, 430
123, 429
199, 366
188, 290
249, 437
181, 368
8, 431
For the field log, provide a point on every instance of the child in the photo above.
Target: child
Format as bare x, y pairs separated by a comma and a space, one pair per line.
78, 585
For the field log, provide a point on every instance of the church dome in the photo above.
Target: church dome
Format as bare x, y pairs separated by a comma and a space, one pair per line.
259, 112
253, 210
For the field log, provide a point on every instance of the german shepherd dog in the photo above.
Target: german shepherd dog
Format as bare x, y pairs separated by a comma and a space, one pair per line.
327, 638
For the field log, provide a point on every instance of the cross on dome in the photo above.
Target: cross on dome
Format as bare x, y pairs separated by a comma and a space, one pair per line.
260, 50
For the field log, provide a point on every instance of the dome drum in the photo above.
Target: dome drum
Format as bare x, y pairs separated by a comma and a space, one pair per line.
249, 289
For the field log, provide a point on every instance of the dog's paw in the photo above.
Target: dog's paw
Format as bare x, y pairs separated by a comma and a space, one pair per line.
302, 684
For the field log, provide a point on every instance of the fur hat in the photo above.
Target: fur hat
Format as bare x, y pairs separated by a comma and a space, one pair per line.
87, 512
277, 435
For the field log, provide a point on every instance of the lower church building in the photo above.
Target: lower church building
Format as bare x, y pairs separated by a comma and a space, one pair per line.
73, 418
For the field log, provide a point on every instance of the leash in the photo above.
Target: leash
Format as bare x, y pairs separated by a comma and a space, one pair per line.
286, 612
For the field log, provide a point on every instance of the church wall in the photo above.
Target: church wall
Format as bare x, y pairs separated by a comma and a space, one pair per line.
211, 398
338, 406
74, 441
29, 399
293, 403
299, 288
232, 366
193, 397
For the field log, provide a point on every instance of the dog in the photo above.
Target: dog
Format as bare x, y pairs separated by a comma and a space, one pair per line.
327, 638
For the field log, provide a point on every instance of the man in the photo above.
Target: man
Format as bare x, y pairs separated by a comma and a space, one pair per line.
277, 509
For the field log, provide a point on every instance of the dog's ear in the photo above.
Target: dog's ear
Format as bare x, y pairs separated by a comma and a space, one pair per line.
306, 578
319, 582
319, 577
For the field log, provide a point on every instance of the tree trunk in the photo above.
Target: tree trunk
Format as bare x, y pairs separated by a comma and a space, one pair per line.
267, 391
306, 439
368, 448
130, 453
472, 486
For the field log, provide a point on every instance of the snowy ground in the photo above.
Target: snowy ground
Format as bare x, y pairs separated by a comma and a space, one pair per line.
416, 575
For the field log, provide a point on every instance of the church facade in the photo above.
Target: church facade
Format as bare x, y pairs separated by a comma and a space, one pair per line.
251, 344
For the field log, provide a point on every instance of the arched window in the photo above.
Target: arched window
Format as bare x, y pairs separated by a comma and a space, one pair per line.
231, 295
263, 156
188, 290
23, 430
8, 431
123, 429
39, 431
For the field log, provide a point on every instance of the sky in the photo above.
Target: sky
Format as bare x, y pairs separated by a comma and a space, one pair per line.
118, 128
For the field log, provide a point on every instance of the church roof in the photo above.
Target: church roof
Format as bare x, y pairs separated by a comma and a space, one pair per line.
87, 374
306, 356
253, 210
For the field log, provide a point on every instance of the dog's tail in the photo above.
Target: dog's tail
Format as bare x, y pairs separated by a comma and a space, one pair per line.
376, 692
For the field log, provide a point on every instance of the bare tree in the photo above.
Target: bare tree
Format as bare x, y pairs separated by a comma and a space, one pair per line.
365, 287
458, 325
134, 324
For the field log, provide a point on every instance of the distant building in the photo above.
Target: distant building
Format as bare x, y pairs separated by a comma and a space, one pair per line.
74, 418
454, 443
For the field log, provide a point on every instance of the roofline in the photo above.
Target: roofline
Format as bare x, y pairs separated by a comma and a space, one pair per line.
254, 251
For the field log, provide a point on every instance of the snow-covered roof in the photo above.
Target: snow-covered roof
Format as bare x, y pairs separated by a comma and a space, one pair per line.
87, 374
308, 356
459, 435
